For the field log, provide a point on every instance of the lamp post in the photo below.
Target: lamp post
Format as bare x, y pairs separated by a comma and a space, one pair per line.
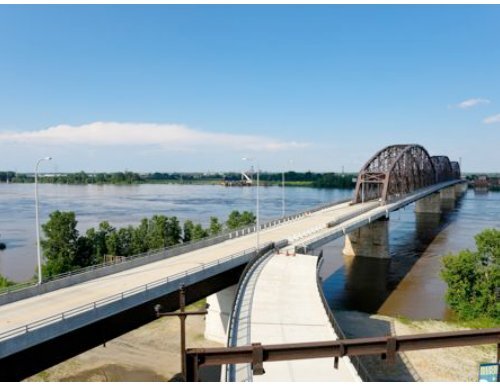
283, 191
257, 203
37, 220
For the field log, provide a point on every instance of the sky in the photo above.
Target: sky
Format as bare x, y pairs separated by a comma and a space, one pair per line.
196, 88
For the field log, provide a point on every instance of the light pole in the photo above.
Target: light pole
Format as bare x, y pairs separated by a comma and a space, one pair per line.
39, 253
283, 191
257, 204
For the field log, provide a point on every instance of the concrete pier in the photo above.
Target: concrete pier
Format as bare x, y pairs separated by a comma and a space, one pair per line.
219, 310
372, 240
429, 204
461, 189
448, 193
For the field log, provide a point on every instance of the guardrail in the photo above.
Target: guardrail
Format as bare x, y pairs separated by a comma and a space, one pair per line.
386, 346
304, 246
234, 318
356, 362
120, 296
124, 263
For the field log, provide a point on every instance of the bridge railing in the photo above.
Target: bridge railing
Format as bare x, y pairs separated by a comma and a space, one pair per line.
244, 297
355, 360
122, 295
98, 270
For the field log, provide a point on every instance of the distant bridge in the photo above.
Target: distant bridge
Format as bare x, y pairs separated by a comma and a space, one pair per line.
43, 325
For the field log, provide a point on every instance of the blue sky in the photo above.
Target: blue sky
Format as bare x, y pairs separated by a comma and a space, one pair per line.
195, 88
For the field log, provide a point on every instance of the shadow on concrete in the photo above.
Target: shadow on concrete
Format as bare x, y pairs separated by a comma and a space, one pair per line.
359, 324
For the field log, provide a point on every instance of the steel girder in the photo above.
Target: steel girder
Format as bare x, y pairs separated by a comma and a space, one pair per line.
395, 171
442, 165
455, 168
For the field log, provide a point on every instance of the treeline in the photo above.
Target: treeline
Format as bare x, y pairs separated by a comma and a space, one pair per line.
473, 279
66, 250
81, 178
320, 180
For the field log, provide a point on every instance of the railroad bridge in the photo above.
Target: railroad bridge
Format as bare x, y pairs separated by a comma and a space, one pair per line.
41, 325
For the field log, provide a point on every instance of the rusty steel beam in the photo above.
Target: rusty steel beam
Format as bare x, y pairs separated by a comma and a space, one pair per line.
387, 346
397, 170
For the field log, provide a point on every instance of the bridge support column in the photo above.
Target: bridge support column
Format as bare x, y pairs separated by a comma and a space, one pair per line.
448, 199
460, 189
448, 193
219, 311
372, 240
429, 204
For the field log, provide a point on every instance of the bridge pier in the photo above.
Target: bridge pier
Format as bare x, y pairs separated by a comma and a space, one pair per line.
429, 204
448, 193
372, 240
460, 189
220, 305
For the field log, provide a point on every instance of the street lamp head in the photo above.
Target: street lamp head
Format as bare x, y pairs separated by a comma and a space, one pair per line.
47, 158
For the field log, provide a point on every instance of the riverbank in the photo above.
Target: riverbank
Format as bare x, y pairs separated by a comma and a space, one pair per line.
149, 353
458, 364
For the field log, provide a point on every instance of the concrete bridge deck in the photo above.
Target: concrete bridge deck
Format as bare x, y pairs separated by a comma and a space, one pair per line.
287, 308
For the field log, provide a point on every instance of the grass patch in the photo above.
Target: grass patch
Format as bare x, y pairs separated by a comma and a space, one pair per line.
482, 322
404, 320
199, 305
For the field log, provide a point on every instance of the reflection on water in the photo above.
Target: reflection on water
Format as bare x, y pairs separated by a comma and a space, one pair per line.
408, 284
127, 205
366, 282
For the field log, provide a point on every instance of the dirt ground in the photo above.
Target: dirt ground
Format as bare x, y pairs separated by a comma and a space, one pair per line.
460, 364
457, 364
149, 353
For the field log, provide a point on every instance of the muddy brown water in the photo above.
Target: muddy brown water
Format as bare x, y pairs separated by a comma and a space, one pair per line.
408, 284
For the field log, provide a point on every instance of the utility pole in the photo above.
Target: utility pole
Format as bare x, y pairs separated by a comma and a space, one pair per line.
182, 314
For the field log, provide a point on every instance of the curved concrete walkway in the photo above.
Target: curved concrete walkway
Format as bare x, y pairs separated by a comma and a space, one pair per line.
287, 308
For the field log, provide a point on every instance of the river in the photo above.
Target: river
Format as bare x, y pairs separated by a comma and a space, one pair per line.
406, 285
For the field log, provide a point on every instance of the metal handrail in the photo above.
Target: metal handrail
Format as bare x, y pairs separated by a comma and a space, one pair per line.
250, 268
355, 360
119, 296
177, 248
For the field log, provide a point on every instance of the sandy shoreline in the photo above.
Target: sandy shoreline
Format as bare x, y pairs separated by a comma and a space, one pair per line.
458, 364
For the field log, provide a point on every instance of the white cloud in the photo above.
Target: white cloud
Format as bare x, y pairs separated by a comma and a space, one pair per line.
492, 119
172, 136
467, 104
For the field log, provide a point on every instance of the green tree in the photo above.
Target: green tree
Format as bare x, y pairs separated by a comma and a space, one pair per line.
237, 220
247, 218
473, 278
126, 241
4, 282
233, 220
157, 232
140, 237
60, 246
173, 231
199, 232
215, 226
